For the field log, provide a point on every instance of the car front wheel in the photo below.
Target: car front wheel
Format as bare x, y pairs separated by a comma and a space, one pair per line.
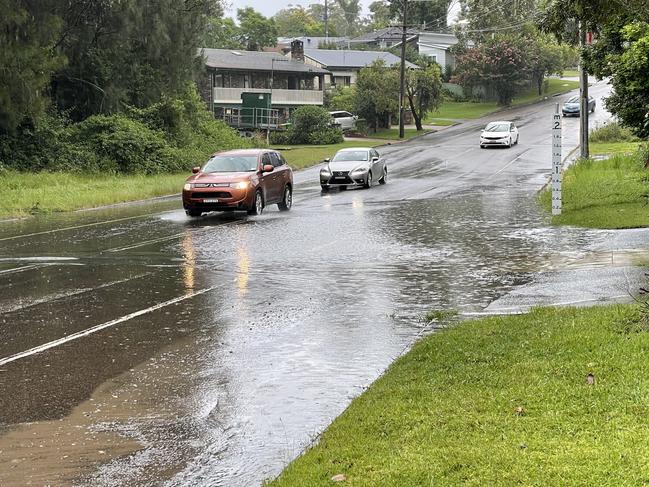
384, 179
368, 181
257, 205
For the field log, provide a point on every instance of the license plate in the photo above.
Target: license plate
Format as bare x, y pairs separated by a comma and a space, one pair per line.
340, 177
210, 200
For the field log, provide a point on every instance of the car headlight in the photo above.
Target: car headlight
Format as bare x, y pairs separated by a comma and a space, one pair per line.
359, 170
325, 170
188, 186
240, 185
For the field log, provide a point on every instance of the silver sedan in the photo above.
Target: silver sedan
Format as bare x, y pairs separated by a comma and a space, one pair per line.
358, 166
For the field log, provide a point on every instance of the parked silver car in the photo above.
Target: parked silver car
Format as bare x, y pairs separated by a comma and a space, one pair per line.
358, 166
343, 120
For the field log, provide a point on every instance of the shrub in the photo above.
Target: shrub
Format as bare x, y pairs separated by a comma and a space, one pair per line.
327, 136
125, 145
308, 119
612, 132
282, 137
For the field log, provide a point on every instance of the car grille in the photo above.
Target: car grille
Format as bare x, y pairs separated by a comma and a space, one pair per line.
211, 194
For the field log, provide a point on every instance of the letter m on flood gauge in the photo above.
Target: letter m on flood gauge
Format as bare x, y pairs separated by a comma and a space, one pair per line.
556, 162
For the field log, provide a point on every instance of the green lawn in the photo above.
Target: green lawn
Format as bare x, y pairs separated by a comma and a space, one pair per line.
500, 401
613, 193
393, 134
571, 73
301, 156
452, 110
30, 193
599, 148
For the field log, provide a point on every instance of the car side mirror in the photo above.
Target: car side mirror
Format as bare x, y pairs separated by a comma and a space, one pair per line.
196, 170
374, 159
268, 168
326, 159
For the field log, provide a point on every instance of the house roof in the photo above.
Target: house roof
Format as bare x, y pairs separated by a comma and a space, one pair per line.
256, 61
387, 33
311, 42
352, 59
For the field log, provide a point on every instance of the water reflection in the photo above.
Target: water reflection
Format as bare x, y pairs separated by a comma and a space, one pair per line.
189, 269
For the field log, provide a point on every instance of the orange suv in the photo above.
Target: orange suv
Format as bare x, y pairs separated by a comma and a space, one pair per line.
247, 179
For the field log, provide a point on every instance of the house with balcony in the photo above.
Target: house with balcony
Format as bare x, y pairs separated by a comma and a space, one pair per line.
343, 65
286, 83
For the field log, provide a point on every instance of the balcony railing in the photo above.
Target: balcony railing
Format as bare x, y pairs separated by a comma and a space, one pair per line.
232, 96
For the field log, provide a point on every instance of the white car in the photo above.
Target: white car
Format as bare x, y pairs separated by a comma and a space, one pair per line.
344, 120
501, 133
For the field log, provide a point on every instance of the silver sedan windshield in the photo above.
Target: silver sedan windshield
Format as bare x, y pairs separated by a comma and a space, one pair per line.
351, 155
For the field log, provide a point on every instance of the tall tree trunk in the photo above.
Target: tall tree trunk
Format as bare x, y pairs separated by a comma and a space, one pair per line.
415, 115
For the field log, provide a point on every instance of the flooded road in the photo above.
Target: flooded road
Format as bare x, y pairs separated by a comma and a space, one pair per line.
139, 347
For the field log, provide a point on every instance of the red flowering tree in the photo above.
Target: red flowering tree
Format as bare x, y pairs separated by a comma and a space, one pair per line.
501, 65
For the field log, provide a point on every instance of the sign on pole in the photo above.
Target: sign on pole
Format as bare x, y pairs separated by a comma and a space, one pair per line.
556, 162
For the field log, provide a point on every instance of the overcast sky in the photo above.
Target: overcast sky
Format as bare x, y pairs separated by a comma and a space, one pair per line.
271, 7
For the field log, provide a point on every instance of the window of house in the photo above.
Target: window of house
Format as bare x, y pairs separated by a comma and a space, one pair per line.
218, 80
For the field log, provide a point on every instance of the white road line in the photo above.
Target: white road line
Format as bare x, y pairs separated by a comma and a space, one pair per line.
24, 268
67, 294
46, 232
95, 329
146, 242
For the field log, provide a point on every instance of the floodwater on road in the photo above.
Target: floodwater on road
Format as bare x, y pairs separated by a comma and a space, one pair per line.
139, 347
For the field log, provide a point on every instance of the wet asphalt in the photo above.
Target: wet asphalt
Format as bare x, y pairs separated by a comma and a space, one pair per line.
141, 347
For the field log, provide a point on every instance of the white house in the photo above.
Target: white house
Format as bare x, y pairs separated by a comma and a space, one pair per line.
437, 46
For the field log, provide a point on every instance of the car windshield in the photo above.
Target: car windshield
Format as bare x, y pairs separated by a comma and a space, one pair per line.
231, 164
573, 99
351, 155
497, 127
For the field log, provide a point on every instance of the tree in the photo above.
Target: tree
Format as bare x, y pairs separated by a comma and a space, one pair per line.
545, 57
622, 54
351, 10
27, 59
621, 51
221, 33
423, 91
377, 94
429, 15
255, 30
297, 21
342, 98
126, 53
484, 17
499, 64
380, 14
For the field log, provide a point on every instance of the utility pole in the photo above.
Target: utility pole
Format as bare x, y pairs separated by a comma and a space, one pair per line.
583, 102
402, 87
326, 20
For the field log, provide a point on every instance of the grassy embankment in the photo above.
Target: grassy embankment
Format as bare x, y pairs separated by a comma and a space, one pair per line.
453, 110
612, 193
45, 192
500, 401
32, 193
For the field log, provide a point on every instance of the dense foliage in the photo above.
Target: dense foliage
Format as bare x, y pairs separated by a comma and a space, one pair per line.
105, 86
423, 91
309, 125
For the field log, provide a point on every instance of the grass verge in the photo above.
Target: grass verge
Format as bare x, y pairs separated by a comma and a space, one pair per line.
393, 134
28, 194
452, 110
613, 193
500, 401
301, 156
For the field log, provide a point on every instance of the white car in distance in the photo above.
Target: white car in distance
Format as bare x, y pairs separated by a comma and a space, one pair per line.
343, 120
502, 133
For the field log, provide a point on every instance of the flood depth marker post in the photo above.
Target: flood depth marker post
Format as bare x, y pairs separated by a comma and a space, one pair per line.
556, 162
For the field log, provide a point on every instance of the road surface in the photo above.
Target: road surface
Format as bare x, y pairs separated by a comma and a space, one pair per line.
140, 347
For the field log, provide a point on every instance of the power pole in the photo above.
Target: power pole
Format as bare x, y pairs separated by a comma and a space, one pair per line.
402, 88
326, 20
583, 102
